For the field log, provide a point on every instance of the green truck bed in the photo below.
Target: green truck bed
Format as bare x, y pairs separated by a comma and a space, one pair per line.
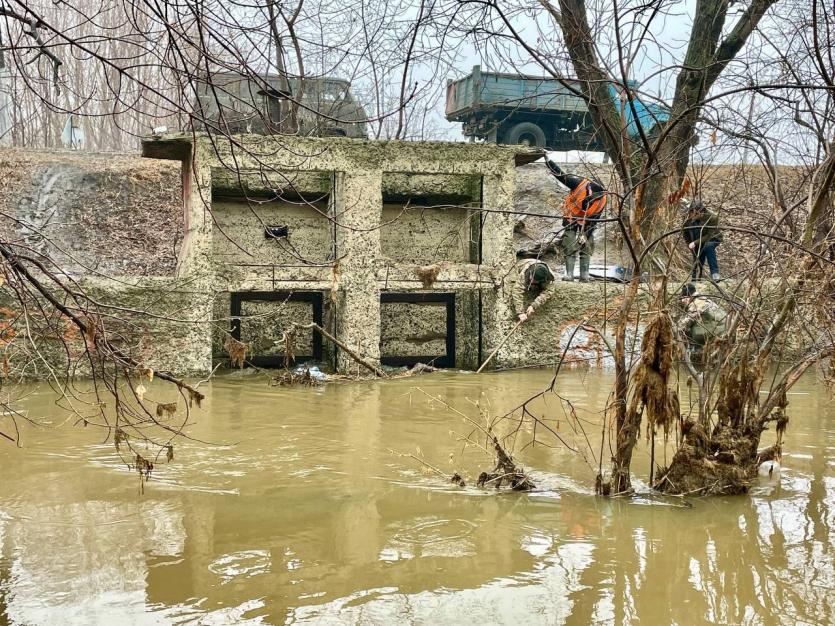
538, 111
490, 90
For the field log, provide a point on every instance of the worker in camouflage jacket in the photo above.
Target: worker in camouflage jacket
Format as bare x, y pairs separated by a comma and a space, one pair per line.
582, 209
703, 319
534, 285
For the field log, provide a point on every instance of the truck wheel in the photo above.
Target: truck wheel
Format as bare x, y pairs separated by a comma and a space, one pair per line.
526, 133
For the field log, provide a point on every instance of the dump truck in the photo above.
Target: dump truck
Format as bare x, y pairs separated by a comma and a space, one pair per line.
237, 103
537, 111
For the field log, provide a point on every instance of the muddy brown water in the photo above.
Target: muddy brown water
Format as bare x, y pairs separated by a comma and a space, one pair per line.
304, 515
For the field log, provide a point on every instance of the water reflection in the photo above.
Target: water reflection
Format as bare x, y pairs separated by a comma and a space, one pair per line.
84, 562
309, 518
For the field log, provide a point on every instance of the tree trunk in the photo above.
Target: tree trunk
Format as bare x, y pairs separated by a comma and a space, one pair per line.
286, 123
627, 425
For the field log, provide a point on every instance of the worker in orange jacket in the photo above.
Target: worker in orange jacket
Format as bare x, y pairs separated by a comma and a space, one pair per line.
582, 209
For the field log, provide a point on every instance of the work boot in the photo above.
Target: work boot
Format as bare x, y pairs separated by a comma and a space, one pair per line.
569, 269
584, 269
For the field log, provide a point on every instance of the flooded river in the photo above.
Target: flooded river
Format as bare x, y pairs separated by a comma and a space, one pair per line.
302, 509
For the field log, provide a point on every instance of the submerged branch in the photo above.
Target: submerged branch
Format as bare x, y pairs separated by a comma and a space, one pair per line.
356, 357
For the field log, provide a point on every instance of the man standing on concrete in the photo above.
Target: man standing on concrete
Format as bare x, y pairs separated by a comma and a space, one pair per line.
702, 234
535, 282
582, 209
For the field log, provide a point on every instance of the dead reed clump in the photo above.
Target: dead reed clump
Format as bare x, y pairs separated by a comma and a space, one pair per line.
651, 390
723, 462
143, 468
506, 471
236, 350
416, 370
289, 338
195, 397
738, 391
166, 409
428, 274
290, 378
457, 480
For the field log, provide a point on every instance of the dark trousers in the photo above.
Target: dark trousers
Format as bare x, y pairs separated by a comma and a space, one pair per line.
706, 253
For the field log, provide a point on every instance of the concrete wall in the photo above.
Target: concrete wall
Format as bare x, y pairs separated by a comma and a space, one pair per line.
168, 316
412, 329
239, 237
369, 183
543, 339
159, 322
422, 236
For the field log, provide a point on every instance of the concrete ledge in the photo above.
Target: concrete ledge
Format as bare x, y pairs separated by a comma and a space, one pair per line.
335, 153
543, 338
160, 322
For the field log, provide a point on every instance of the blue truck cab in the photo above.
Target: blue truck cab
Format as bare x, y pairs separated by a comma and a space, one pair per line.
538, 111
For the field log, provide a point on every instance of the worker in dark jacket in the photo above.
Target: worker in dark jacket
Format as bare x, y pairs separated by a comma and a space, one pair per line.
582, 209
702, 234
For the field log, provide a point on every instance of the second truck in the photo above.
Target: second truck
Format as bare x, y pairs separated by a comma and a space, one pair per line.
537, 111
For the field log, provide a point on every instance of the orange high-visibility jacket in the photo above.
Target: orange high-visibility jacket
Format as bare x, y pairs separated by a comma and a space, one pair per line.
573, 209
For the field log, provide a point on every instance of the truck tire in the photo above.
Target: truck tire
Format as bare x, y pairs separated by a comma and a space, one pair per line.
526, 133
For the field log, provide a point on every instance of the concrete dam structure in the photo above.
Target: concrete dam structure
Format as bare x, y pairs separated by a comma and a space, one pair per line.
403, 251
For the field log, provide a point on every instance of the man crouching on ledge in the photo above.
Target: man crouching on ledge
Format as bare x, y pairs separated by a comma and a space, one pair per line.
535, 283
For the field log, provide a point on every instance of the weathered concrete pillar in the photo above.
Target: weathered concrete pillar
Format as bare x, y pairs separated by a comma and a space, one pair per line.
358, 211
195, 253
497, 232
499, 254
195, 265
